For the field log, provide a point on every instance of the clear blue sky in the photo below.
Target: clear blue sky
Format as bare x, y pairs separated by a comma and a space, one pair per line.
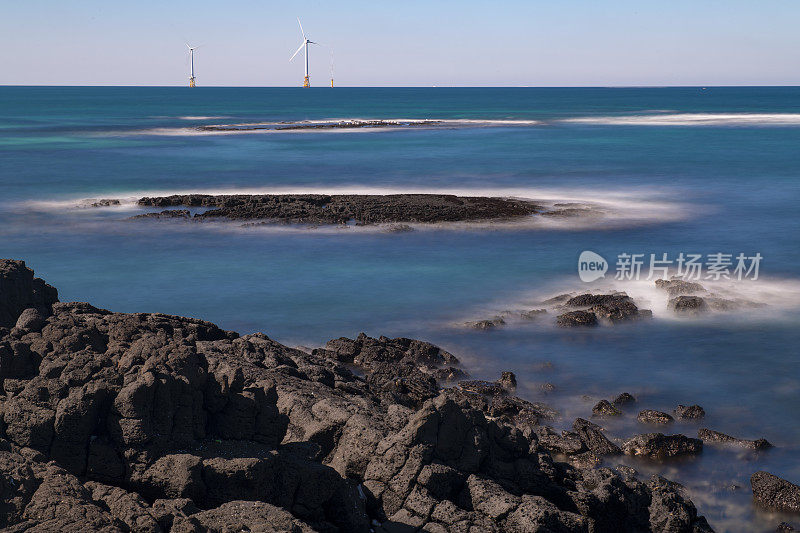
400, 43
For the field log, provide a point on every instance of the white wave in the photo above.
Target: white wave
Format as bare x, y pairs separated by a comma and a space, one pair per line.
693, 119
609, 209
202, 117
281, 127
766, 299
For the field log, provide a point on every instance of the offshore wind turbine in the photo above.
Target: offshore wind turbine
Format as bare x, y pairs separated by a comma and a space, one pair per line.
191, 60
304, 48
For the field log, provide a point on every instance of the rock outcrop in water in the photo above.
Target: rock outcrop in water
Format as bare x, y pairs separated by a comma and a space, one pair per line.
774, 493
660, 446
600, 308
148, 422
709, 435
324, 125
345, 208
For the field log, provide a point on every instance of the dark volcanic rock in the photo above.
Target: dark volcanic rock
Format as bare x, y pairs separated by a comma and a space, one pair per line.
677, 287
692, 412
147, 422
576, 318
688, 305
660, 446
669, 513
592, 436
775, 493
508, 380
479, 386
595, 308
623, 399
19, 290
103, 202
709, 435
649, 416
167, 213
605, 408
341, 209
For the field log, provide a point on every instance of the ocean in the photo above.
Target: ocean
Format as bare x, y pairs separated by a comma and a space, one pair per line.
675, 170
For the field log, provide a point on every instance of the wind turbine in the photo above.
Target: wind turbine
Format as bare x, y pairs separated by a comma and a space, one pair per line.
304, 47
331, 67
191, 59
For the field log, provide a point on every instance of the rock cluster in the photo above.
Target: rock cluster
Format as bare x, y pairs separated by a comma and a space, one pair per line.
593, 309
147, 422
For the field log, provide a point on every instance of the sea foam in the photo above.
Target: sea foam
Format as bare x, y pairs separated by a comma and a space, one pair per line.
693, 119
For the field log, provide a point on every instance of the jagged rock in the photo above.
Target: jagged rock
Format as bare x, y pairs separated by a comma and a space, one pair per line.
166, 511
670, 511
43, 497
19, 291
593, 438
660, 446
479, 386
576, 318
623, 399
605, 408
692, 412
708, 435
508, 381
617, 307
688, 305
241, 516
565, 443
127, 507
223, 432
774, 493
505, 385
678, 287
649, 416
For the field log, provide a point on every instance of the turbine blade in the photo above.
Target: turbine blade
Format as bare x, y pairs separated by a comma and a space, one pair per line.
301, 28
298, 50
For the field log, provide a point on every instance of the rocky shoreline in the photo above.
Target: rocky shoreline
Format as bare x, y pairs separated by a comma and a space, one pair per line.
148, 422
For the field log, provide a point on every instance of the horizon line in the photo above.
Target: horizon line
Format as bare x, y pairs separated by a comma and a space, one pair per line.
690, 86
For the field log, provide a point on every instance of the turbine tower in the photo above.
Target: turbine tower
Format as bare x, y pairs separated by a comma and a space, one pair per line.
304, 48
191, 60
331, 67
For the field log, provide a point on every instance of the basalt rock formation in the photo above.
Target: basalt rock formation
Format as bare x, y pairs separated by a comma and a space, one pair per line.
342, 209
596, 308
148, 422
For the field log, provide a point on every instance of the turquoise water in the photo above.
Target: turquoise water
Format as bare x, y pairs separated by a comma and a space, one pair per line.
679, 169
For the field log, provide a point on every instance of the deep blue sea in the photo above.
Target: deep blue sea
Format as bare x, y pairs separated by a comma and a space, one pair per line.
675, 170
